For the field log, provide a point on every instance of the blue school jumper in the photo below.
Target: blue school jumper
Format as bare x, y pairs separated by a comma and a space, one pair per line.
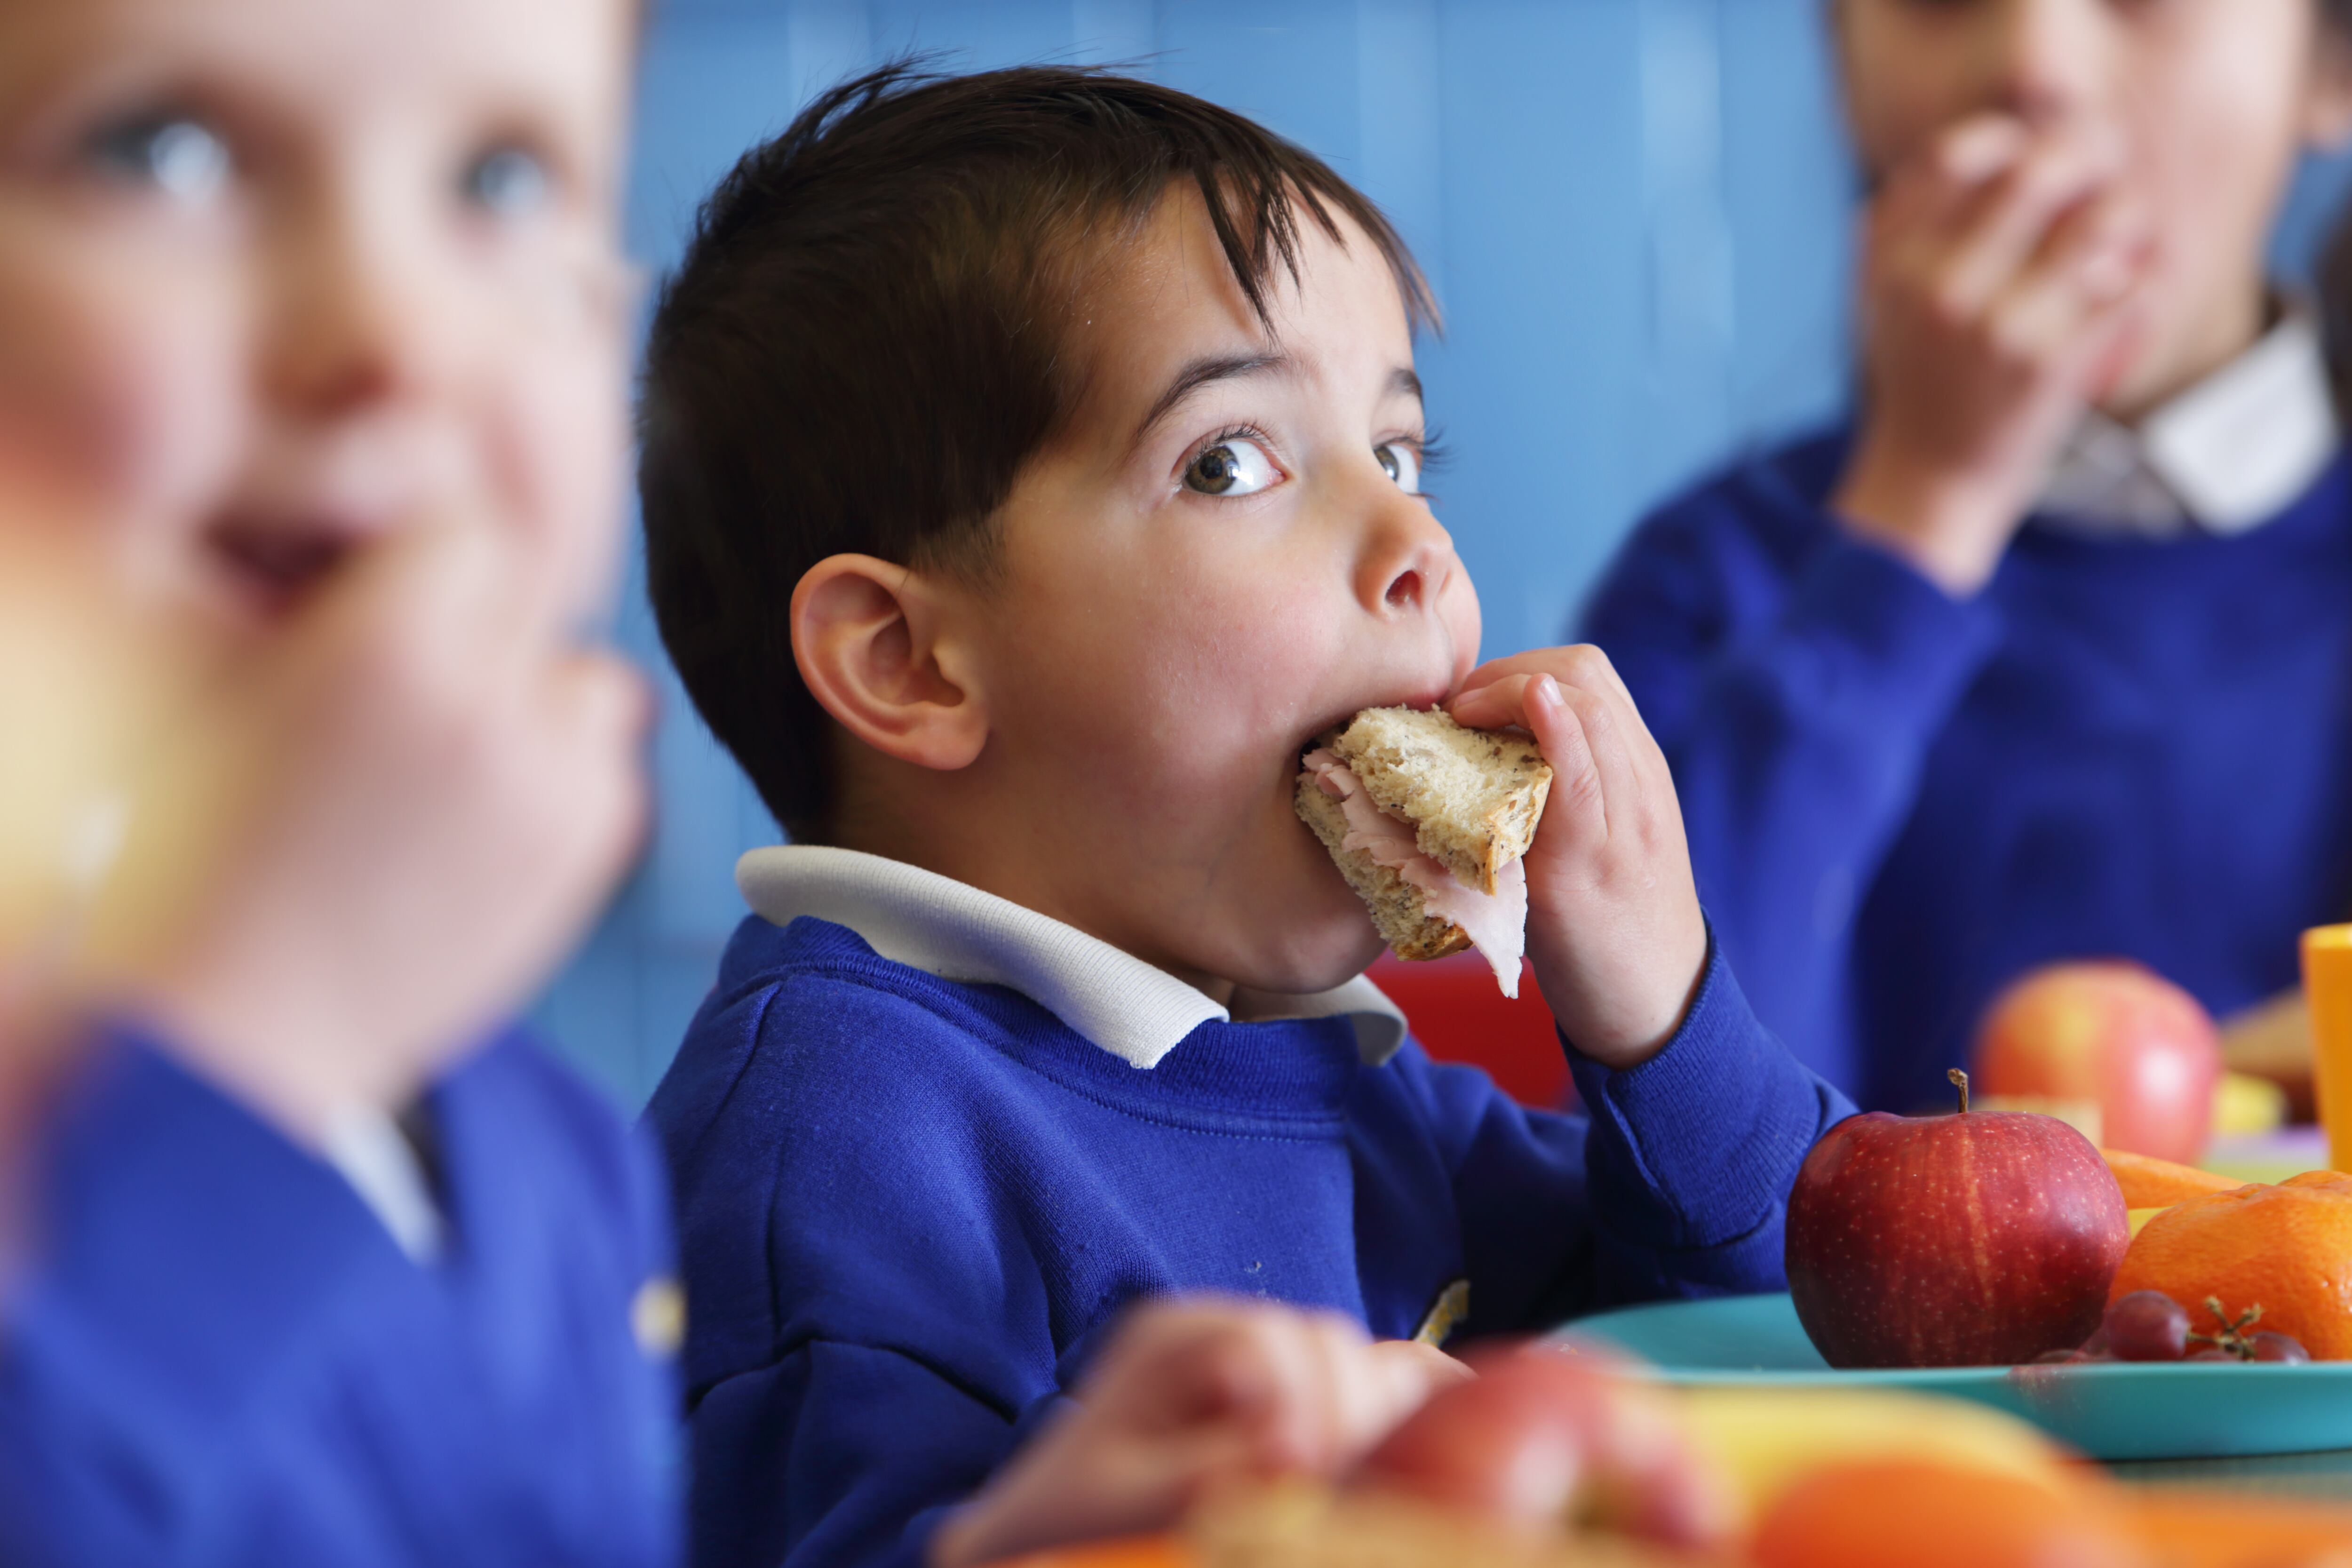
221, 1356
910, 1204
1897, 802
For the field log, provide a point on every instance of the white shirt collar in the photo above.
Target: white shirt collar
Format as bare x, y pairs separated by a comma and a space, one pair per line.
943, 927
366, 1145
2230, 453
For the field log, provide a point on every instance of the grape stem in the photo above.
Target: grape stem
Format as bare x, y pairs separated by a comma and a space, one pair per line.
2233, 1336
1959, 1081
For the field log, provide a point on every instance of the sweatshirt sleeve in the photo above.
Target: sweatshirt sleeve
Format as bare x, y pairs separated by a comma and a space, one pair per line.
1795, 678
1691, 1155
1674, 1184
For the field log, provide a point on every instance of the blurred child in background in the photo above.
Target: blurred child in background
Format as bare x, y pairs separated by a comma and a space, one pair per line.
2049, 653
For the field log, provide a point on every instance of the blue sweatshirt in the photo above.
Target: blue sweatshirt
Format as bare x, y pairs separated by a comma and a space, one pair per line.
221, 1356
1898, 803
910, 1204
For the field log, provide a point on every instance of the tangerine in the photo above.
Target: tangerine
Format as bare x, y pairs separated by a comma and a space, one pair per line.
2285, 1249
2149, 1182
1928, 1515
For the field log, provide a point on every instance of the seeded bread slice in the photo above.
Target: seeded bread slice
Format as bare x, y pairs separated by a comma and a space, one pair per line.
1473, 797
1395, 903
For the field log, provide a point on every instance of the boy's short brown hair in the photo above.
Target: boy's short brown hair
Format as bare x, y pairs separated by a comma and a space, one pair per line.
867, 341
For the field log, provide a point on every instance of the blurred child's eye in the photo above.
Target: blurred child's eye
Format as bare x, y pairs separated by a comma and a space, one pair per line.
508, 182
177, 155
1400, 461
1234, 466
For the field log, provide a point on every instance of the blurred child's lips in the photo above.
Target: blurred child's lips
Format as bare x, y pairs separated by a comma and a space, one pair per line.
278, 563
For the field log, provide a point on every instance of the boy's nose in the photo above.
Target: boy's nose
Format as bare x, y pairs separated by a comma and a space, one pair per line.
2045, 60
1408, 560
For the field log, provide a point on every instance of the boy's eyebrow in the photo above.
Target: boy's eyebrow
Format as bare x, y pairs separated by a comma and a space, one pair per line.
1404, 380
1202, 372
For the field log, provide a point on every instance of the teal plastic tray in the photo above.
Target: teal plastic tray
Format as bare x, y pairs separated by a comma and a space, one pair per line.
2120, 1411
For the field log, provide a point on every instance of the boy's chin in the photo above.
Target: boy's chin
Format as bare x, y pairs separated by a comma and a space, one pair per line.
1315, 958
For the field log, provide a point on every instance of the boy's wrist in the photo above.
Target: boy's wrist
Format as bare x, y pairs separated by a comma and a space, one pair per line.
1613, 1027
1953, 528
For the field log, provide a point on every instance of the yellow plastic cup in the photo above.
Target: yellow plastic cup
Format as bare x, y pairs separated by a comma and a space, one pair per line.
2327, 988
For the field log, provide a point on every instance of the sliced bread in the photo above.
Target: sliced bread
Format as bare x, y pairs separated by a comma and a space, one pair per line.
1473, 797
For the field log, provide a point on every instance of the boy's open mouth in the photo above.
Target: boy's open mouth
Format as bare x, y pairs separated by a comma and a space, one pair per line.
1427, 698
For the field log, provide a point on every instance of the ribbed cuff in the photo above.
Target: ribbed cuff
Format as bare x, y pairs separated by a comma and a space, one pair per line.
1698, 1146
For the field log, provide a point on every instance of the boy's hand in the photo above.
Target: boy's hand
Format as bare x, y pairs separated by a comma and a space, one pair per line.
1998, 300
1186, 1397
1613, 922
446, 789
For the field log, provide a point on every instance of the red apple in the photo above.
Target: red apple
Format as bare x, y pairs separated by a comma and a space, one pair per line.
2114, 1033
1978, 1239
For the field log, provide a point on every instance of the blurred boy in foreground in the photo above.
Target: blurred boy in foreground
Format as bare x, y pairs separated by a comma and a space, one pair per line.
311, 319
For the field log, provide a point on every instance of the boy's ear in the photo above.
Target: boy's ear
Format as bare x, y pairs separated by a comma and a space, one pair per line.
2327, 102
875, 644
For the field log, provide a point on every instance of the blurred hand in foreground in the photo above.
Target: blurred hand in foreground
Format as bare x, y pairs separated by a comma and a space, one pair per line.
1188, 1397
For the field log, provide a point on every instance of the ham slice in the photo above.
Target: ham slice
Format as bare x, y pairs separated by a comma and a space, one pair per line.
1497, 923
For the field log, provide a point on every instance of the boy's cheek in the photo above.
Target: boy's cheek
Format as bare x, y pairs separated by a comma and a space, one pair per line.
130, 403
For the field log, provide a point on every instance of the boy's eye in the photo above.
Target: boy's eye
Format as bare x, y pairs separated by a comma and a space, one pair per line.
1400, 461
1235, 466
177, 154
507, 182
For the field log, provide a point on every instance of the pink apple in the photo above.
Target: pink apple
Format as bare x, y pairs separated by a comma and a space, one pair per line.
2114, 1033
1977, 1239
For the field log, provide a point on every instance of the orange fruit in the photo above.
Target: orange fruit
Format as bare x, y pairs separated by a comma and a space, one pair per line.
1924, 1515
2204, 1530
2149, 1182
2285, 1248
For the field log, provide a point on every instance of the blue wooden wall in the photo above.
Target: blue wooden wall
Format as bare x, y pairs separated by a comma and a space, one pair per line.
1635, 212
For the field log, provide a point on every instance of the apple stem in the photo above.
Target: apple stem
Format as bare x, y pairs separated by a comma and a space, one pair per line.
1961, 1081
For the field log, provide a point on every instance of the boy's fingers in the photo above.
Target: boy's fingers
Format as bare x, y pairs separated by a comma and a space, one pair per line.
2052, 313
1623, 791
2012, 220
1928, 191
1576, 783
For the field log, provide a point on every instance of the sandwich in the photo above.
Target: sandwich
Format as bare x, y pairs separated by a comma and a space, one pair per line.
1427, 821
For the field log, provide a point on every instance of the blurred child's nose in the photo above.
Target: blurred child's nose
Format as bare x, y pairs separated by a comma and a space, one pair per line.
354, 321
2045, 61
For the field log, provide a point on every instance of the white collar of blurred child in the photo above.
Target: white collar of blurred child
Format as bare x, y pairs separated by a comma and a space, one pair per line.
2229, 454
920, 918
366, 1146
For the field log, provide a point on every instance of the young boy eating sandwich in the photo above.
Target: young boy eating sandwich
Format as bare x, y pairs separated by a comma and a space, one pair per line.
1031, 476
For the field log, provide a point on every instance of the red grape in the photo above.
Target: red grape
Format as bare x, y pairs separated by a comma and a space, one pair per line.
2147, 1325
2059, 1358
2210, 1352
2269, 1346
